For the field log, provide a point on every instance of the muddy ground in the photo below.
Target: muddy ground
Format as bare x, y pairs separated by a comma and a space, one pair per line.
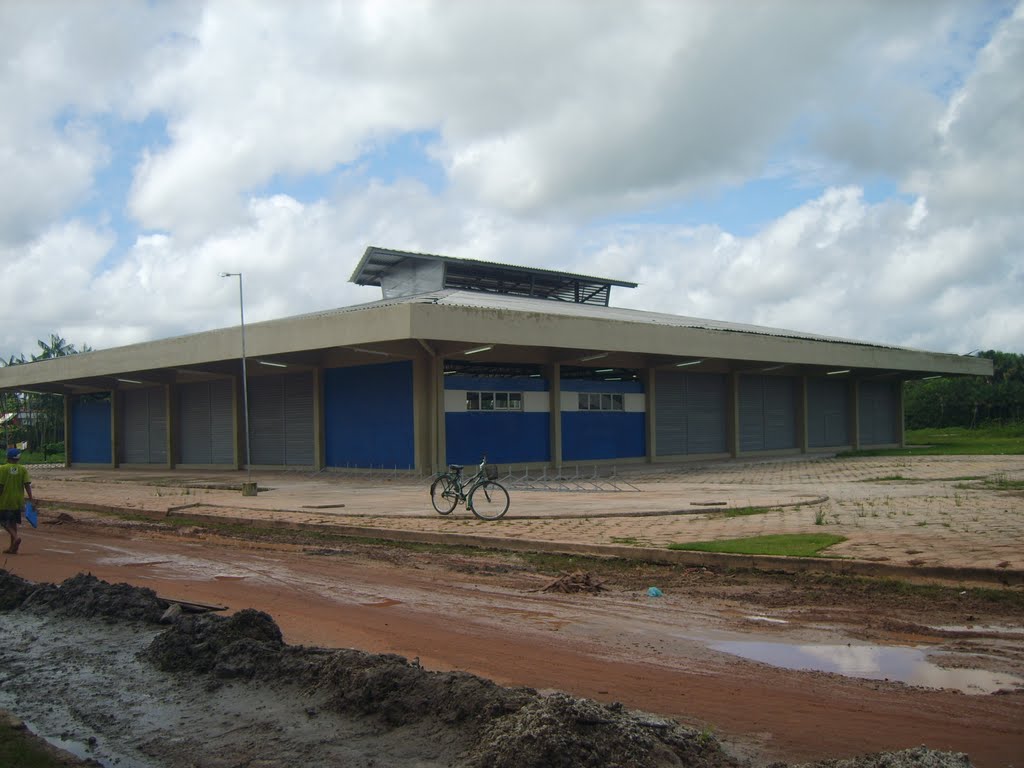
437, 625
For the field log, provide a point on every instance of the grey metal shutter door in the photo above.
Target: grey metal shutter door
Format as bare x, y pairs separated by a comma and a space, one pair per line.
670, 413
135, 426
222, 422
207, 423
828, 413
690, 413
706, 400
157, 426
267, 419
194, 413
752, 413
878, 412
298, 419
779, 412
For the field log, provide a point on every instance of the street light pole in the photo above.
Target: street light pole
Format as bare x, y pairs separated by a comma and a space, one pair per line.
245, 379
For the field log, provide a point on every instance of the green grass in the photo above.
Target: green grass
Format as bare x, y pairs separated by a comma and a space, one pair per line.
789, 545
744, 511
955, 441
18, 748
31, 457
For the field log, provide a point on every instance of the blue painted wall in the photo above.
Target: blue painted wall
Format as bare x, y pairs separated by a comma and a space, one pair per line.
90, 431
591, 435
507, 437
368, 416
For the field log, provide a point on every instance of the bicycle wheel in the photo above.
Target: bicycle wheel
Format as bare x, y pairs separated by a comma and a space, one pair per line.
443, 495
488, 500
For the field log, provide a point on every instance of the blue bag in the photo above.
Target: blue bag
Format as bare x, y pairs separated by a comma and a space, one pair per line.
30, 514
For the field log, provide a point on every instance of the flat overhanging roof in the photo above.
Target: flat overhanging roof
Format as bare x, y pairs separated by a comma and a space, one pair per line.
515, 329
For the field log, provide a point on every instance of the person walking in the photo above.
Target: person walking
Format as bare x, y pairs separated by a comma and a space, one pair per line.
15, 485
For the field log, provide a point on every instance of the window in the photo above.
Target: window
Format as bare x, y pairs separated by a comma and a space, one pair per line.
494, 401
593, 401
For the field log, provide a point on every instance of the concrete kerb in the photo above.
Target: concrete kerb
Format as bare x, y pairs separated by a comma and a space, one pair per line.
771, 563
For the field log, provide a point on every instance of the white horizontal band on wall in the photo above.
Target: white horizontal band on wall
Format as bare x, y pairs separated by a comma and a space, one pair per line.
533, 402
632, 402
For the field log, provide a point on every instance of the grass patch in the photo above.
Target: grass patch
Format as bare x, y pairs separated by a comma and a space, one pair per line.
955, 441
744, 511
885, 479
18, 747
789, 545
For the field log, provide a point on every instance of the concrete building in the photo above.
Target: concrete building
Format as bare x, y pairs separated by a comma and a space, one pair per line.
463, 357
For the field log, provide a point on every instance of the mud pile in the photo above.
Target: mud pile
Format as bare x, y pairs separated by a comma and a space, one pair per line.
492, 725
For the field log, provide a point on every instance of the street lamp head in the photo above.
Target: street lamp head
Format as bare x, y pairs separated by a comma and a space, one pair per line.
230, 274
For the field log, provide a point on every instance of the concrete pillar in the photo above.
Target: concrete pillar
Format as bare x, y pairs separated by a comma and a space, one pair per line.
238, 415
171, 411
440, 445
732, 420
318, 418
115, 428
855, 414
901, 426
426, 378
67, 431
553, 373
801, 415
647, 376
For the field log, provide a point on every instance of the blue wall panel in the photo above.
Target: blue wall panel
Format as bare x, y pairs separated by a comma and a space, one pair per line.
506, 438
592, 435
90, 431
368, 416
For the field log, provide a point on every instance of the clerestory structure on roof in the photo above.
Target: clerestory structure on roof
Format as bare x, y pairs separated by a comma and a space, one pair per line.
403, 273
462, 357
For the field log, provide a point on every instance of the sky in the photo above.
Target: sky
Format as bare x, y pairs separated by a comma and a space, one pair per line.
851, 168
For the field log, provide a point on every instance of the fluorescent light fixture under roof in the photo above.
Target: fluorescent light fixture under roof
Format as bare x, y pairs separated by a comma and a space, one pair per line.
371, 351
478, 349
772, 368
836, 373
449, 373
130, 381
271, 364
593, 357
604, 370
936, 376
691, 362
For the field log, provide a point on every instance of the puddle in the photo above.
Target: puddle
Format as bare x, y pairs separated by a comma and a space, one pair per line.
228, 577
385, 602
872, 662
766, 619
988, 629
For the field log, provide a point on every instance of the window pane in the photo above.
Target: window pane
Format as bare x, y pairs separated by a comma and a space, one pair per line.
606, 402
472, 401
595, 401
515, 401
584, 402
618, 403
486, 401
501, 401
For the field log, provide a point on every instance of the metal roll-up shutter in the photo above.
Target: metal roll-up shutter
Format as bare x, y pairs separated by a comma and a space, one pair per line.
144, 427
267, 419
670, 413
879, 412
207, 423
779, 412
135, 426
706, 401
751, 396
828, 412
157, 426
690, 413
298, 419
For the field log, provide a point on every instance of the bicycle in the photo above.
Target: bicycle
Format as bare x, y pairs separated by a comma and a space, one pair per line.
482, 495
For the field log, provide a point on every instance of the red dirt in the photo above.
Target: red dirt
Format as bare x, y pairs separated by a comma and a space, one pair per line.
454, 612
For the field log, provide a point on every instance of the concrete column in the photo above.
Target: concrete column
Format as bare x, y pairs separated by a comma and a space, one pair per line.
238, 414
732, 421
440, 445
425, 377
647, 376
553, 373
115, 428
901, 426
318, 418
171, 411
855, 414
801, 416
67, 431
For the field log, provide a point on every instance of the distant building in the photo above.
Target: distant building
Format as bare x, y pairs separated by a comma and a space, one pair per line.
462, 357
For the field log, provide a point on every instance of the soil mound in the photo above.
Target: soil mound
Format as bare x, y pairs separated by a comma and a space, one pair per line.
14, 590
918, 757
85, 596
560, 731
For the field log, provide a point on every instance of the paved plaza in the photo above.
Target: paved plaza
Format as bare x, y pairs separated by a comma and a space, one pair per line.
909, 512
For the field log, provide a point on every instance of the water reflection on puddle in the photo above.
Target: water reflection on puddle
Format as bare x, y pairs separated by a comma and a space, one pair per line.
905, 665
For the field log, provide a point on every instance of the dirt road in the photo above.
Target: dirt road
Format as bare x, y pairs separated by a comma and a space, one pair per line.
487, 614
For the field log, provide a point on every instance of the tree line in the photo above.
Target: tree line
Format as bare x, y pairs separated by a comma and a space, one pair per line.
37, 418
969, 401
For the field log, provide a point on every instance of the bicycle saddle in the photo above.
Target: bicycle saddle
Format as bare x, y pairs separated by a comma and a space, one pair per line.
456, 467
